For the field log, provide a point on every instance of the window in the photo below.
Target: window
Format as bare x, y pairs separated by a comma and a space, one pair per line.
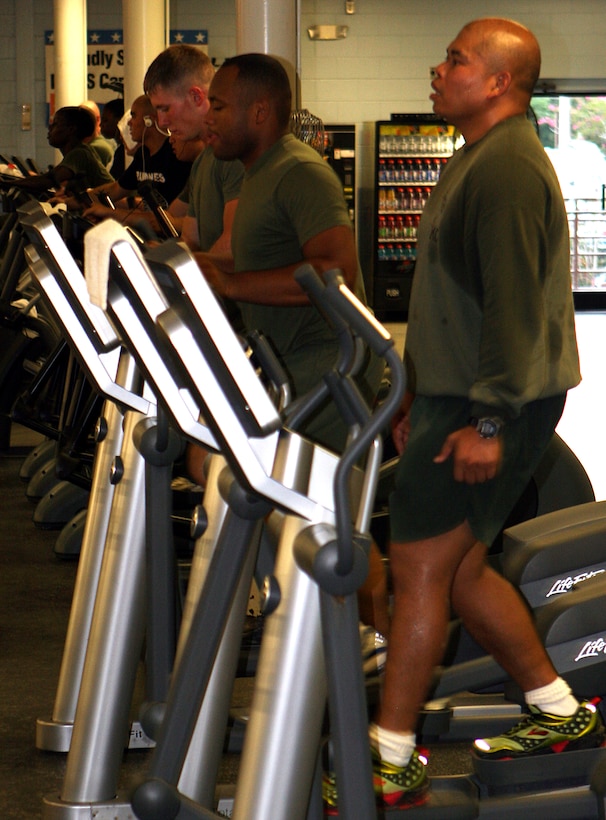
572, 127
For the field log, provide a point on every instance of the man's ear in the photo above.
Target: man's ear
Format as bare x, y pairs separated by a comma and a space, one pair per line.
262, 109
197, 94
502, 82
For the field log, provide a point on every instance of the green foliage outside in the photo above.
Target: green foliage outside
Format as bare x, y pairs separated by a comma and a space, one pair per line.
587, 119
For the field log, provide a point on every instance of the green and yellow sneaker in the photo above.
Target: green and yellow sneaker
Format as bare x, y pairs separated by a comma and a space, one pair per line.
540, 733
396, 787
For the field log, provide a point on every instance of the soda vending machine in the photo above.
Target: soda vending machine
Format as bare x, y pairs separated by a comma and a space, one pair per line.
410, 152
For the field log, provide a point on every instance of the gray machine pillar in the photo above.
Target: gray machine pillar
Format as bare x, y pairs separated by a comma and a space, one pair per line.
55, 734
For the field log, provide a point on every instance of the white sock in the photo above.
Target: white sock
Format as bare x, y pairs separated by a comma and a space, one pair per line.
556, 698
393, 747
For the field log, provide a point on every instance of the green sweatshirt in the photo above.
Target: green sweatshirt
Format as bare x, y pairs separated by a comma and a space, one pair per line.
491, 315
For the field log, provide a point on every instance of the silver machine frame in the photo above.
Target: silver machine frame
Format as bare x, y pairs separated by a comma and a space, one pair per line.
279, 758
163, 340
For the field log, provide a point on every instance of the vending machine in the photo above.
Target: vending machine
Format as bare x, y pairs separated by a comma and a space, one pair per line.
340, 152
410, 152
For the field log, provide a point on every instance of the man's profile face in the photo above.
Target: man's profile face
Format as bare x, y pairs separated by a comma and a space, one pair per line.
58, 131
136, 123
462, 82
228, 119
181, 112
109, 124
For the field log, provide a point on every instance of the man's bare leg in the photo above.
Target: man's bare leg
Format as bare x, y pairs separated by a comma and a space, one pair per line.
373, 601
422, 576
427, 576
497, 617
195, 458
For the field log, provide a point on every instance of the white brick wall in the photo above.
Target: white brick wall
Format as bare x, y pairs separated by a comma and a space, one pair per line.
7, 77
381, 67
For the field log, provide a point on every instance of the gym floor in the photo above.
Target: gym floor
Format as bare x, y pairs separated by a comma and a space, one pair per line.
37, 589
35, 603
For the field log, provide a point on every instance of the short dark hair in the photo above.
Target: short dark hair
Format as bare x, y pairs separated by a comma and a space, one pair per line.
81, 119
176, 65
262, 74
115, 107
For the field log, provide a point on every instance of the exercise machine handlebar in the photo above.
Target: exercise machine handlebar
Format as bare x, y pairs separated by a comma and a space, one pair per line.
339, 562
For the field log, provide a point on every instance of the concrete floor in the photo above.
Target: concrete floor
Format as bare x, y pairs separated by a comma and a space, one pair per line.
36, 593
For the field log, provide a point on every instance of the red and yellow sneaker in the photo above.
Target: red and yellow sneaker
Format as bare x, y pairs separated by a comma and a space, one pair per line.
540, 733
400, 787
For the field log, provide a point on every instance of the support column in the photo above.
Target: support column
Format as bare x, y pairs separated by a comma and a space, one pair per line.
271, 27
70, 52
146, 25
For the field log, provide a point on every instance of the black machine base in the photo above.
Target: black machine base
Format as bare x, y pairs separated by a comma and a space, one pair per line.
567, 769
550, 785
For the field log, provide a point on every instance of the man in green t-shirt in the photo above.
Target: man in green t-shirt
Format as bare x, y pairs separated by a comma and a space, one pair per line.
290, 210
491, 353
177, 83
70, 127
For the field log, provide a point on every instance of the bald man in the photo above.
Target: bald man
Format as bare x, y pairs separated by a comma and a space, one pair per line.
490, 353
101, 146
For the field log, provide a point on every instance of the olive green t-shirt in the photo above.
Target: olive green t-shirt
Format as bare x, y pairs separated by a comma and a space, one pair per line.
84, 163
212, 184
290, 195
491, 316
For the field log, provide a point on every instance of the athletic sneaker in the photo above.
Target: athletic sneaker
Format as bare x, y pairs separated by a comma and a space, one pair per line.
396, 787
540, 733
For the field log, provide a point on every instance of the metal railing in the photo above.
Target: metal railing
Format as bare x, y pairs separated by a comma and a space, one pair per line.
587, 224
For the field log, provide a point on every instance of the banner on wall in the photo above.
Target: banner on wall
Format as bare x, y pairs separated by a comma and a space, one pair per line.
105, 61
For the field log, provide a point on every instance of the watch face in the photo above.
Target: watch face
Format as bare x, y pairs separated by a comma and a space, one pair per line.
488, 428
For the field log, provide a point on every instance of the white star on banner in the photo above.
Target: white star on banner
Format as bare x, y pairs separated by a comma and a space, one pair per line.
179, 37
94, 38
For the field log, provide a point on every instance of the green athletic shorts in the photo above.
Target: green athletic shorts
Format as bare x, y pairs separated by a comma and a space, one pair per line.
427, 501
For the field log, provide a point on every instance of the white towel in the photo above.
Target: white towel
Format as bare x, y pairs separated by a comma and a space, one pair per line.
98, 243
49, 209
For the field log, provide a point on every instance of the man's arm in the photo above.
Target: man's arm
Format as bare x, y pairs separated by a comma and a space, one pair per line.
177, 211
189, 233
113, 190
38, 183
333, 248
222, 247
96, 211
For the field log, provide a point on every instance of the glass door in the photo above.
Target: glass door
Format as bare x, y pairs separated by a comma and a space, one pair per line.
572, 128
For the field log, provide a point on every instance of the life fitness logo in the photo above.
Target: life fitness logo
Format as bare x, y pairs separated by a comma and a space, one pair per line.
566, 584
592, 649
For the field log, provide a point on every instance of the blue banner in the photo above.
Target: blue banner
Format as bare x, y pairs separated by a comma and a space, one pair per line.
105, 61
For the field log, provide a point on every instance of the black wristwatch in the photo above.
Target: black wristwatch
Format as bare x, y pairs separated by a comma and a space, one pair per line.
488, 426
